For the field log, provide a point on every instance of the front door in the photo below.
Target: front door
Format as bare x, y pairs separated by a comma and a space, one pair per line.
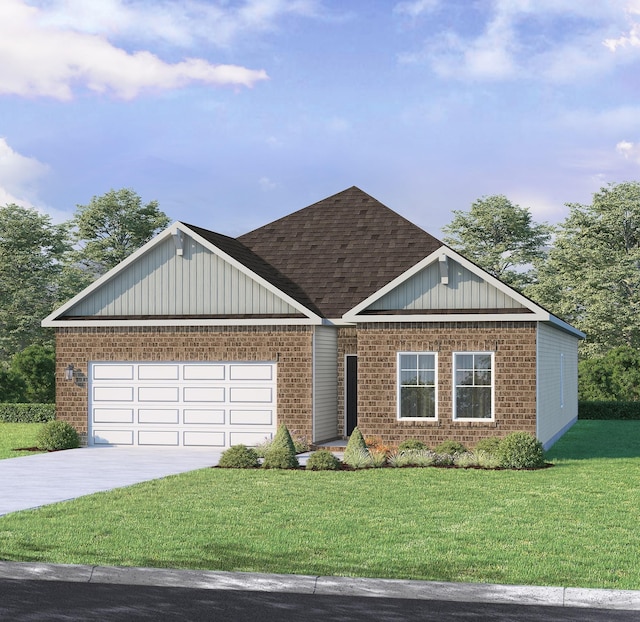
351, 393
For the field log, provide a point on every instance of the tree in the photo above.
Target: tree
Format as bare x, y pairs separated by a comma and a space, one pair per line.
499, 236
591, 277
111, 227
36, 366
31, 252
12, 386
615, 376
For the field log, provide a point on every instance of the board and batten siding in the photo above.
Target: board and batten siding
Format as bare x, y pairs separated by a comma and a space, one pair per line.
325, 383
557, 392
464, 290
162, 283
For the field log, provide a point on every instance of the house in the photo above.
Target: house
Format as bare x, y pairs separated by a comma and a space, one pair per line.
339, 314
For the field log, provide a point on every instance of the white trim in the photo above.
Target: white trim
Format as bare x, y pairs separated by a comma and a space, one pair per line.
276, 321
493, 388
538, 314
399, 386
174, 229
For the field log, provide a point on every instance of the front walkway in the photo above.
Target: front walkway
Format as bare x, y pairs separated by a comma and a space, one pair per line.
31, 481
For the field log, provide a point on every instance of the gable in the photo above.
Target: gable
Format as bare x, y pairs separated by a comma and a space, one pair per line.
461, 290
184, 280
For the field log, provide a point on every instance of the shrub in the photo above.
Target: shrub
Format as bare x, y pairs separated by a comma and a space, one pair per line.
490, 444
282, 440
521, 450
280, 458
624, 411
411, 443
239, 457
27, 413
355, 448
378, 457
488, 460
412, 457
359, 458
465, 459
262, 448
57, 435
450, 447
322, 460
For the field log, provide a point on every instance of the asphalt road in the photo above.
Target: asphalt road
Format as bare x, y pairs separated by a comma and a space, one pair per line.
31, 600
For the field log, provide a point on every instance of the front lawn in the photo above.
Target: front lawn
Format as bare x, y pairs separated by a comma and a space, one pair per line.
575, 524
17, 435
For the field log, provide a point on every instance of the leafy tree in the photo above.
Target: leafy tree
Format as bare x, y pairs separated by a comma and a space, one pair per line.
36, 366
31, 252
614, 376
111, 227
12, 386
499, 236
591, 277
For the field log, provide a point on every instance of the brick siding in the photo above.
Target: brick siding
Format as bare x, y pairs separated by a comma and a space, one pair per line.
514, 345
290, 346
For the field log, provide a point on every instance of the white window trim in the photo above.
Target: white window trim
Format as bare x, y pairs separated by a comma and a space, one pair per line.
493, 389
399, 388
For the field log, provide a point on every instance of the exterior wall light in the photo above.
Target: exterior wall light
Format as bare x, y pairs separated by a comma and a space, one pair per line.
68, 372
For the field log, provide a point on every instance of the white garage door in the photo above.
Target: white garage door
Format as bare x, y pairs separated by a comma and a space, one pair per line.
181, 404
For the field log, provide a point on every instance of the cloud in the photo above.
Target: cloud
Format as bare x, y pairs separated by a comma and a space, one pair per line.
557, 41
629, 150
182, 23
415, 8
18, 176
39, 59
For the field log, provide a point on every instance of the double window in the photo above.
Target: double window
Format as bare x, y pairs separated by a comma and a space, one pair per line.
417, 385
472, 386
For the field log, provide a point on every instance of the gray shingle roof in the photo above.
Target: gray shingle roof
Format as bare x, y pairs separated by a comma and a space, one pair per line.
340, 250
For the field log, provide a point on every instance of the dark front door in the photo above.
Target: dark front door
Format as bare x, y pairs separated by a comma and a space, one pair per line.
351, 393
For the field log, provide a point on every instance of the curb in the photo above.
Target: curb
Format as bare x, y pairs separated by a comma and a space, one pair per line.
335, 586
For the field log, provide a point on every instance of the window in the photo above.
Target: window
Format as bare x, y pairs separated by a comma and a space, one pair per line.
416, 385
473, 385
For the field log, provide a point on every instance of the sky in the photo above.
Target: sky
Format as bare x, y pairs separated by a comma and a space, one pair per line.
233, 113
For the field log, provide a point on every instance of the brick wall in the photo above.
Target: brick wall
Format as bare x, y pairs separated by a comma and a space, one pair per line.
290, 346
514, 344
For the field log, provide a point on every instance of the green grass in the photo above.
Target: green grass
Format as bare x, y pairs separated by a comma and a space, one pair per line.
17, 435
575, 524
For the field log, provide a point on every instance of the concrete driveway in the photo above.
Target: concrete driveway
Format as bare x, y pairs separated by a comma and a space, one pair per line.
31, 481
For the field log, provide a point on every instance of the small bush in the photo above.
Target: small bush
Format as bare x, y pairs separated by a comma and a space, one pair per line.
488, 460
262, 448
450, 447
521, 450
411, 443
378, 457
491, 444
322, 460
280, 458
466, 459
359, 458
283, 439
239, 457
355, 447
622, 411
412, 457
57, 435
27, 413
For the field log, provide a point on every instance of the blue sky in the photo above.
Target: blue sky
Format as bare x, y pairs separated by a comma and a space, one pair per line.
234, 113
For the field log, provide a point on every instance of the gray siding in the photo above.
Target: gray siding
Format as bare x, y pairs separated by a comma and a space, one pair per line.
465, 290
325, 383
557, 398
161, 282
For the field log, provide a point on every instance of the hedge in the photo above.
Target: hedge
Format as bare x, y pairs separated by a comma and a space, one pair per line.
27, 413
626, 411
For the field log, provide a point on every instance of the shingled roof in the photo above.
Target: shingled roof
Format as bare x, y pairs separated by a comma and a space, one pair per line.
339, 251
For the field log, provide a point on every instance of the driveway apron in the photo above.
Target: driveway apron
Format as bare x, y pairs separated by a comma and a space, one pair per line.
31, 481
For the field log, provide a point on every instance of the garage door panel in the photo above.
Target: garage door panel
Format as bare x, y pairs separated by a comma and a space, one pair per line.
113, 415
158, 415
204, 372
251, 417
113, 372
262, 395
195, 404
204, 394
158, 372
203, 439
113, 394
112, 437
158, 437
204, 417
158, 394
250, 372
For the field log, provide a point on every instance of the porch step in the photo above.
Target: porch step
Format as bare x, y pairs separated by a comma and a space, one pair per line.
336, 445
